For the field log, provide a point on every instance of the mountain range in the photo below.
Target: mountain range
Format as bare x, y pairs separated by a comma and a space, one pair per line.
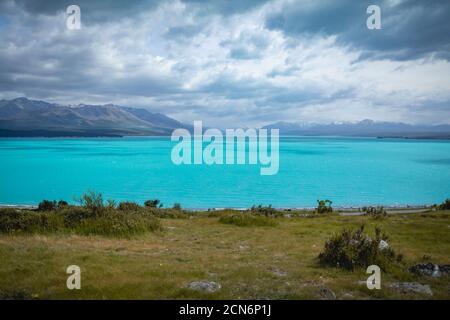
364, 128
22, 117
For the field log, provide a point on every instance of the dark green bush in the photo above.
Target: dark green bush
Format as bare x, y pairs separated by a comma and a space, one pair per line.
177, 206
17, 221
15, 294
78, 220
47, 205
375, 212
50, 205
110, 204
128, 206
62, 204
118, 225
93, 201
74, 215
264, 211
324, 206
444, 205
153, 204
352, 249
247, 220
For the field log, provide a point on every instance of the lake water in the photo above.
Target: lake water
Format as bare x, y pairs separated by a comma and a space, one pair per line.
349, 171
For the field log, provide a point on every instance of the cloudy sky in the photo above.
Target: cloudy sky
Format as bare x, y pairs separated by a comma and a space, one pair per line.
234, 63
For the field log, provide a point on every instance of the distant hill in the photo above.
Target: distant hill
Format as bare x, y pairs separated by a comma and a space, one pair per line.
22, 117
364, 128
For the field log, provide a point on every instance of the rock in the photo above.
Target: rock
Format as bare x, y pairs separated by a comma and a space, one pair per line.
436, 273
412, 288
429, 269
288, 215
383, 245
327, 294
205, 286
445, 269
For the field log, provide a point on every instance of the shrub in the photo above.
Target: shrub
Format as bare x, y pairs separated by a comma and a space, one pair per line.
93, 201
73, 216
118, 225
375, 212
177, 206
444, 205
264, 211
110, 204
353, 249
78, 220
246, 220
16, 221
153, 203
15, 294
62, 204
324, 206
47, 205
128, 206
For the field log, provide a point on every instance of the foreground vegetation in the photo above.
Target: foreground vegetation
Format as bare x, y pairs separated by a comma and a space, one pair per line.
146, 252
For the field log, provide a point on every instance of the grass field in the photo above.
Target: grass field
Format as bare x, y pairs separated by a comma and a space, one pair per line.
261, 261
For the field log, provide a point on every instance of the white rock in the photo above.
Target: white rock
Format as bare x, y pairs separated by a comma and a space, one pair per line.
207, 286
412, 288
383, 245
436, 273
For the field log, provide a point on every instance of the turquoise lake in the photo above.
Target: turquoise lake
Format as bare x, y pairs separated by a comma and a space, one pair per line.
349, 171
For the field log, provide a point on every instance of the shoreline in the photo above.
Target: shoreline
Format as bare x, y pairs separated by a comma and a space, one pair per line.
340, 209
445, 138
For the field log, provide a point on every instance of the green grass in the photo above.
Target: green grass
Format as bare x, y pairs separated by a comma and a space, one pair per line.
248, 220
245, 261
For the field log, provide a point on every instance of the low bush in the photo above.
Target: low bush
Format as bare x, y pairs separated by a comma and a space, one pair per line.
15, 294
177, 206
153, 204
78, 220
92, 201
324, 206
73, 216
110, 204
47, 205
128, 206
246, 220
23, 221
264, 211
62, 204
352, 249
444, 205
375, 212
118, 225
50, 205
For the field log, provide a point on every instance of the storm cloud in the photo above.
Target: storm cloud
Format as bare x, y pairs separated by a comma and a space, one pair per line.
232, 63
